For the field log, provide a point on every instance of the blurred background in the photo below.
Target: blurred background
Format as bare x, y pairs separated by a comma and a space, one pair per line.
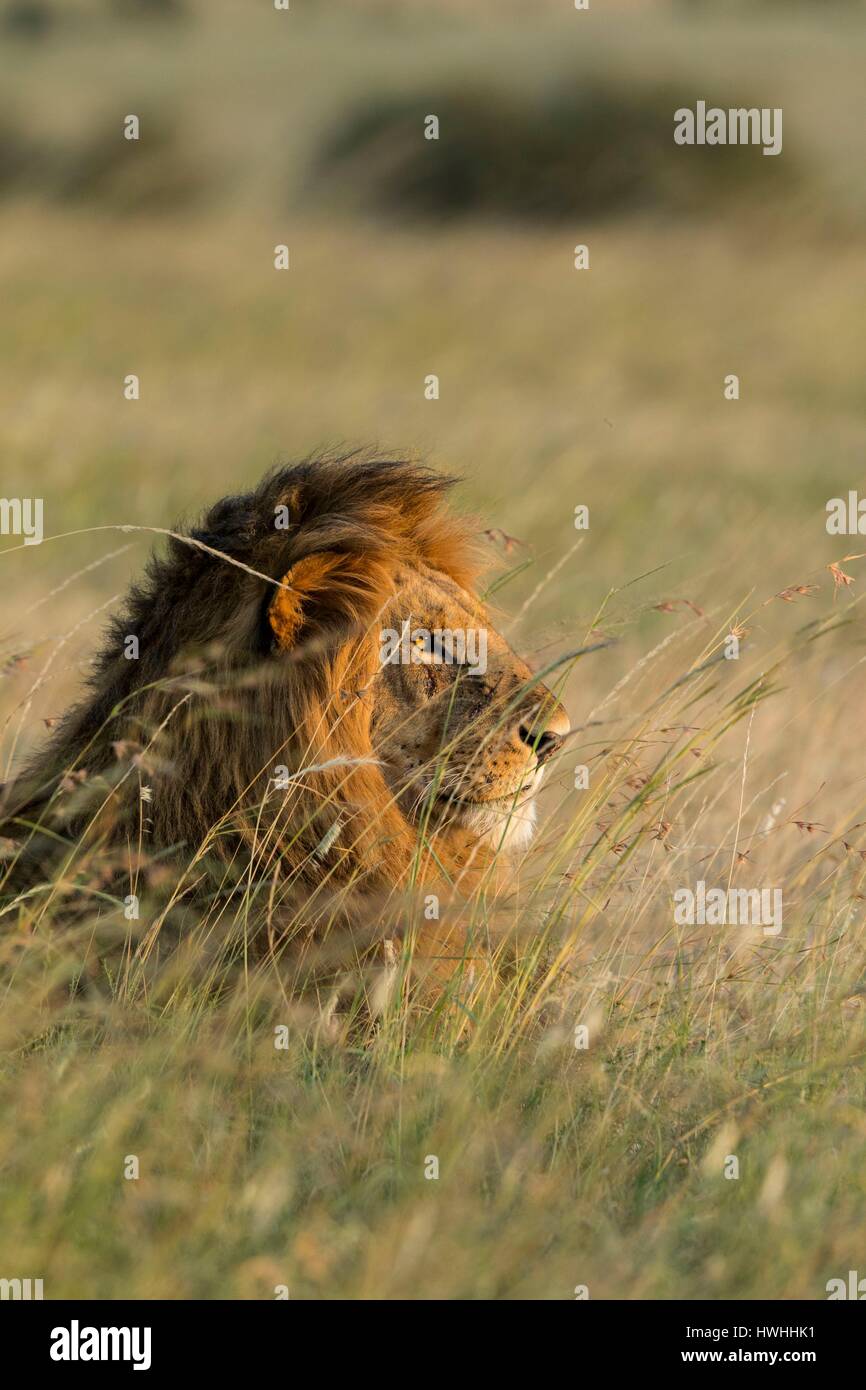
558, 387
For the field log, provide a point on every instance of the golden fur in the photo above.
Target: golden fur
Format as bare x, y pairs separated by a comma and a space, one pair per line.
259, 721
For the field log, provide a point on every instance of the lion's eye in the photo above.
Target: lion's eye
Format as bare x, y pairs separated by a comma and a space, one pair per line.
422, 647
427, 647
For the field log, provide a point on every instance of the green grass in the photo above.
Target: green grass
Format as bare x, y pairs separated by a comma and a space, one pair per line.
558, 1167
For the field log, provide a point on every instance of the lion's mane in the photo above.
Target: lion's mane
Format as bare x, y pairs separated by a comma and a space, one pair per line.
177, 749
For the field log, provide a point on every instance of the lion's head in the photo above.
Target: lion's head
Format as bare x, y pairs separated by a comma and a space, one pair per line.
461, 725
313, 682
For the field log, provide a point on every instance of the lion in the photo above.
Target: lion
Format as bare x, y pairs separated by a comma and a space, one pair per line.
306, 689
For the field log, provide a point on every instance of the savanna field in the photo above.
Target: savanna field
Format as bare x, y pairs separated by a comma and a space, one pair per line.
583, 1108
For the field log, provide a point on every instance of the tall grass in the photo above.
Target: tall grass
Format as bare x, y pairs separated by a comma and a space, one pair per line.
560, 1165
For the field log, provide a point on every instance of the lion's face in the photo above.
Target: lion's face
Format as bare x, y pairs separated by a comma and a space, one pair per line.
461, 726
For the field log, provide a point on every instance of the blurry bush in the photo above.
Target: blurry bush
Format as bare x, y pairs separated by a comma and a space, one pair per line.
35, 18
16, 157
149, 9
28, 19
591, 150
153, 174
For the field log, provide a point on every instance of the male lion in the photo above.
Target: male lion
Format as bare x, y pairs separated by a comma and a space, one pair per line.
241, 718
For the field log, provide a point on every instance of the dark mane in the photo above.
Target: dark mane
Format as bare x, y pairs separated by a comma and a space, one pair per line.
178, 746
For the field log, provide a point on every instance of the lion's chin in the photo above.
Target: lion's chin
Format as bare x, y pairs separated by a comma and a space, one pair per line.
507, 829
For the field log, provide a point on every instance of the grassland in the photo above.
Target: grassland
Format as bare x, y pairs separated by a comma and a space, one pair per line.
558, 1166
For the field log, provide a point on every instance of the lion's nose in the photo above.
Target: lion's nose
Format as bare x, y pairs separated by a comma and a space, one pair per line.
544, 733
543, 745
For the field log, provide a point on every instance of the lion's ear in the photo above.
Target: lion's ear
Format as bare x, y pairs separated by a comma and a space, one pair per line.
329, 593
